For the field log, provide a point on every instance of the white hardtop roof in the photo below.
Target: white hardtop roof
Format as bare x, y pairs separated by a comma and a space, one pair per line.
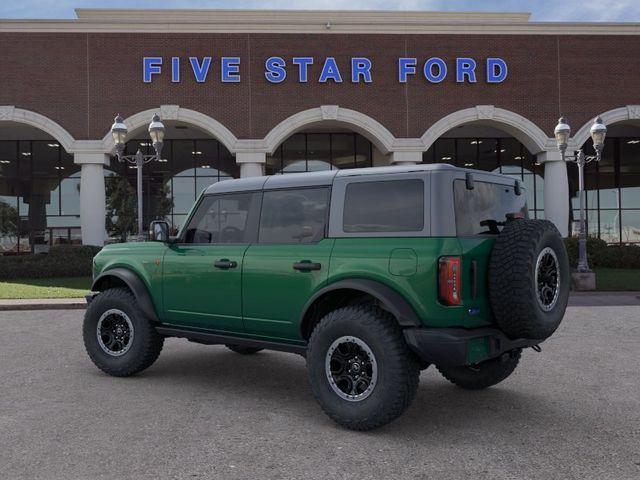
326, 177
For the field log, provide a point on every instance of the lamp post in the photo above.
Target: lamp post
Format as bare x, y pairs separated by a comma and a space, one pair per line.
598, 132
119, 133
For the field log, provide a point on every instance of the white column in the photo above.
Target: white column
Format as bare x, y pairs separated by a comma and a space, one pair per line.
405, 158
92, 196
556, 190
251, 163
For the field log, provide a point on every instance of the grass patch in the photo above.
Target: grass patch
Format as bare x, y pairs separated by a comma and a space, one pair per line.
69, 287
617, 279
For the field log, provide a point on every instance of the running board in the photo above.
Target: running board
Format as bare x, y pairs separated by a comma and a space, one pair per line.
209, 338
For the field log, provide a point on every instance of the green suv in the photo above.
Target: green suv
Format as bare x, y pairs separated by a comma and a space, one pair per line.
371, 274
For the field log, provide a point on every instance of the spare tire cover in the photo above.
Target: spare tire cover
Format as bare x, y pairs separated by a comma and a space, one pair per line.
529, 279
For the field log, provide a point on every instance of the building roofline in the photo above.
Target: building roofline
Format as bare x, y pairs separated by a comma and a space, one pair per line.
248, 15
310, 21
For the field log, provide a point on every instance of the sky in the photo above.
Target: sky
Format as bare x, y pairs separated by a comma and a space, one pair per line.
542, 10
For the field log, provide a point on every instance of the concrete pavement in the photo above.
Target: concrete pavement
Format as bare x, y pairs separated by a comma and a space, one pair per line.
572, 411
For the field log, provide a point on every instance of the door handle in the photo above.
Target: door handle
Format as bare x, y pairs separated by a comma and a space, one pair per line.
306, 266
225, 264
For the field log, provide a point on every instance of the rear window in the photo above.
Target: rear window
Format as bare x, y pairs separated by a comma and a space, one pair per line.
294, 216
485, 209
386, 206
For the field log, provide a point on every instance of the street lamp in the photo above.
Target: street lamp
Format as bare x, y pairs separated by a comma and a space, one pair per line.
119, 133
598, 132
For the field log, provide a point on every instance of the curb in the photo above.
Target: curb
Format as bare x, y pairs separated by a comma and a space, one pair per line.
576, 299
43, 304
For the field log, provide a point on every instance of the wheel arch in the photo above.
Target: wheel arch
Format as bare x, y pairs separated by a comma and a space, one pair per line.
123, 277
329, 297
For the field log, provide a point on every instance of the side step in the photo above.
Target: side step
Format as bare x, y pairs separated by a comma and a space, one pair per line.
209, 338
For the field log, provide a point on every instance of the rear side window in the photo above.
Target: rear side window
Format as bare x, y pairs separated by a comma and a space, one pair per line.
386, 206
294, 216
485, 209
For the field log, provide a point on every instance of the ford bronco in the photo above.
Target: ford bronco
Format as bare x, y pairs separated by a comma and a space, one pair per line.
371, 274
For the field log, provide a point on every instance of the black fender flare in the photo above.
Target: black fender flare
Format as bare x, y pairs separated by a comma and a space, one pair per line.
395, 303
135, 284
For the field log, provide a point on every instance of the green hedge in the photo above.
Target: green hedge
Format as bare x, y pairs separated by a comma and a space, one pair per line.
62, 261
599, 254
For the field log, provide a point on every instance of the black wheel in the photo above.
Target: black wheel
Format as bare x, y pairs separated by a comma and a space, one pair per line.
242, 350
482, 375
529, 279
362, 373
118, 337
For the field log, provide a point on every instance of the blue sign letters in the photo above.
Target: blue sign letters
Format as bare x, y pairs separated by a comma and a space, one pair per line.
327, 70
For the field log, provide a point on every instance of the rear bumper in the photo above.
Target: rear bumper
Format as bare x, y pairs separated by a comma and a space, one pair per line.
459, 346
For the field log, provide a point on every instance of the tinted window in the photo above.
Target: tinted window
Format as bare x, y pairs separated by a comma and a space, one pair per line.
389, 206
484, 209
224, 219
294, 216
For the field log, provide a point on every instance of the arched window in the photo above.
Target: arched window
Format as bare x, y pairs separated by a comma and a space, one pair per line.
309, 152
504, 155
172, 184
39, 194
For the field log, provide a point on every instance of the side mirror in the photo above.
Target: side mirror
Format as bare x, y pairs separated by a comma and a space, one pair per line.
159, 231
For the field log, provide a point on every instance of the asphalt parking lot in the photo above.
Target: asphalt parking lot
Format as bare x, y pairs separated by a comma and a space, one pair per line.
572, 411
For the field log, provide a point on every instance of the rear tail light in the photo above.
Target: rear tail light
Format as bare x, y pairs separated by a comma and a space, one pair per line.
449, 272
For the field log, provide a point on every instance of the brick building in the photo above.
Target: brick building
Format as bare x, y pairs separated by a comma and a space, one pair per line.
266, 92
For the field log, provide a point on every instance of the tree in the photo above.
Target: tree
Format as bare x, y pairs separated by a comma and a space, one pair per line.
164, 202
8, 220
122, 204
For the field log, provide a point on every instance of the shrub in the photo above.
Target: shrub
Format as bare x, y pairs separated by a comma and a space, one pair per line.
599, 254
61, 261
619, 256
595, 246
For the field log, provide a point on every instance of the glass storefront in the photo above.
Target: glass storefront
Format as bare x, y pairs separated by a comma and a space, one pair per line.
612, 189
39, 196
502, 155
309, 152
171, 186
40, 184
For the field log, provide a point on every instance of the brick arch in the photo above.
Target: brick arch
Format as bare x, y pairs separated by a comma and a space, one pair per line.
527, 132
177, 113
373, 130
621, 114
9, 113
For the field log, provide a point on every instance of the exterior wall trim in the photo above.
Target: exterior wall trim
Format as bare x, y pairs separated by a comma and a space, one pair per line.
532, 136
10, 113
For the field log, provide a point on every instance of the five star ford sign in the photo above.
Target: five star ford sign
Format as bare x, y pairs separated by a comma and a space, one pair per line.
361, 69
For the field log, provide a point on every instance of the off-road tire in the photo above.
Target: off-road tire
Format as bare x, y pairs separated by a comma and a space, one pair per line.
482, 375
146, 344
513, 291
398, 368
242, 350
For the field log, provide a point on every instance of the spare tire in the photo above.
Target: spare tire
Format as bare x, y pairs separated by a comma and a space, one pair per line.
529, 279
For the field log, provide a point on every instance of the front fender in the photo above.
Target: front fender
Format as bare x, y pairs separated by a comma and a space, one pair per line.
135, 284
